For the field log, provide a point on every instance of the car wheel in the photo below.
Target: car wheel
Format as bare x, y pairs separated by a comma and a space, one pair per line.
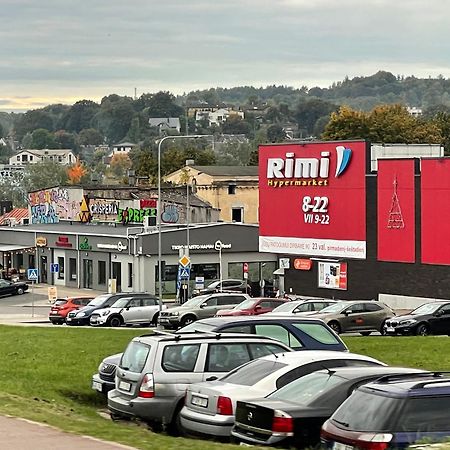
335, 327
187, 320
115, 321
365, 333
422, 330
20, 291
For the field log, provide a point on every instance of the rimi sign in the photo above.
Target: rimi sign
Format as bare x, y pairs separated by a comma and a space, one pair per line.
312, 199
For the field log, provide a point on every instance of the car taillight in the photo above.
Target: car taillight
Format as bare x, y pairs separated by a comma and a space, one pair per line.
224, 406
147, 389
282, 423
374, 441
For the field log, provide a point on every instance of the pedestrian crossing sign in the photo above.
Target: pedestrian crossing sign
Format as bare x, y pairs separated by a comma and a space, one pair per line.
33, 274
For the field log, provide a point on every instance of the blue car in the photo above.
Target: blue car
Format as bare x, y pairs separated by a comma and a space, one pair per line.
392, 413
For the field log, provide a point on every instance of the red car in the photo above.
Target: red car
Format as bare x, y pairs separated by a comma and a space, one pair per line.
62, 306
253, 307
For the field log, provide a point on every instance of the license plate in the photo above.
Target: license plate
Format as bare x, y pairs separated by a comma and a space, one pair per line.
390, 330
162, 320
199, 401
124, 385
339, 446
69, 319
97, 386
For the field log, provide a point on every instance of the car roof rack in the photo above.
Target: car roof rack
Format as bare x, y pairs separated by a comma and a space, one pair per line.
401, 376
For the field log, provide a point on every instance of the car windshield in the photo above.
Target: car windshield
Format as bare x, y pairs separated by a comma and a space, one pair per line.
246, 304
195, 301
286, 307
336, 308
99, 300
196, 326
252, 372
306, 389
427, 308
121, 303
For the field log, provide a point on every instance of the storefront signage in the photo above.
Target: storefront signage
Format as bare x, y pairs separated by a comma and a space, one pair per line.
133, 215
41, 241
312, 199
103, 210
150, 203
199, 246
63, 241
333, 275
302, 264
84, 245
119, 246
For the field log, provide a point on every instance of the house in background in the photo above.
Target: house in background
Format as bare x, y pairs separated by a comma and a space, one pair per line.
232, 189
123, 148
165, 124
17, 216
61, 156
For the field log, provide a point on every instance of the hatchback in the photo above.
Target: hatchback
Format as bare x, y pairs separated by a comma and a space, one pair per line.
302, 306
391, 413
209, 408
363, 316
62, 306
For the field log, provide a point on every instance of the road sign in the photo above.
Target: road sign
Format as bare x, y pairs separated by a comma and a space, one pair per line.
185, 261
185, 273
54, 268
33, 274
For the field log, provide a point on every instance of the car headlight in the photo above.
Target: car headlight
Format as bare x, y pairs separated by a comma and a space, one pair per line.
105, 313
176, 313
408, 322
80, 314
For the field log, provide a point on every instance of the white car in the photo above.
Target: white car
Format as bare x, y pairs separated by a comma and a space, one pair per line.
210, 406
128, 311
301, 306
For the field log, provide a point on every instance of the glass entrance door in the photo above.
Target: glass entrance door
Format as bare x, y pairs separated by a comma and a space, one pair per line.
117, 274
87, 273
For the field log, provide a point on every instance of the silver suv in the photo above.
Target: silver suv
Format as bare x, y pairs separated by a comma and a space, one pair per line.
201, 307
156, 369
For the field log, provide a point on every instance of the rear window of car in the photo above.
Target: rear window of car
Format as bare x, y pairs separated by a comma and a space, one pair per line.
429, 413
60, 302
180, 358
253, 372
366, 411
134, 357
318, 332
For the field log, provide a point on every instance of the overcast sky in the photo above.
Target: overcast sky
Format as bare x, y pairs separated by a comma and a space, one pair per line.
61, 51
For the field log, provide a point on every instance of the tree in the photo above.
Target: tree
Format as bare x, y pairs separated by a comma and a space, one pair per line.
66, 140
120, 164
43, 175
76, 172
235, 125
90, 136
42, 138
32, 120
275, 133
347, 124
12, 189
162, 104
308, 112
80, 116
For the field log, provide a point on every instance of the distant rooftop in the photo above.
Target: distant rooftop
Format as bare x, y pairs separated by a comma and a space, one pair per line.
217, 171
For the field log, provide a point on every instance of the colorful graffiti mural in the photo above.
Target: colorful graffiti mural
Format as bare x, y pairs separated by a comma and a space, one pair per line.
103, 210
134, 215
170, 214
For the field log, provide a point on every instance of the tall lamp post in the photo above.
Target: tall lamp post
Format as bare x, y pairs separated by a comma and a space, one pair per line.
192, 136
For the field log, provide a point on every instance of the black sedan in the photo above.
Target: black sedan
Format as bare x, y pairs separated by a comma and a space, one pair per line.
294, 414
10, 288
429, 318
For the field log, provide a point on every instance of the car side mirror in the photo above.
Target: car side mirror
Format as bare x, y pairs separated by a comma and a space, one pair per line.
212, 378
349, 311
258, 307
203, 305
439, 313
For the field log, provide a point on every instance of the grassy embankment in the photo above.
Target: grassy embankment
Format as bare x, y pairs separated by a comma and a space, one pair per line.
46, 372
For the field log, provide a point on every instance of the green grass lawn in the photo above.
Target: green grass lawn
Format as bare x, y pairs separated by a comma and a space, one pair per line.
46, 373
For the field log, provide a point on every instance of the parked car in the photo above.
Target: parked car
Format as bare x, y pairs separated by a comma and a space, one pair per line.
62, 306
10, 288
391, 413
210, 406
299, 333
293, 415
83, 315
155, 370
363, 316
253, 307
104, 380
429, 318
302, 306
224, 286
129, 311
199, 307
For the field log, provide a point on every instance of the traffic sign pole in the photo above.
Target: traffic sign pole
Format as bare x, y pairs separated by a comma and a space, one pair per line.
32, 299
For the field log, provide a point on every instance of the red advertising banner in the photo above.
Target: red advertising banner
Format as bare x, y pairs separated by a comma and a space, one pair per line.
435, 213
312, 199
396, 210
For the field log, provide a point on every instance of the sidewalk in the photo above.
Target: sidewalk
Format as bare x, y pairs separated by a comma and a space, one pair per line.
21, 434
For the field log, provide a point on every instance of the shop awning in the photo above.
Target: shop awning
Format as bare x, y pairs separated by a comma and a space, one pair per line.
279, 272
12, 248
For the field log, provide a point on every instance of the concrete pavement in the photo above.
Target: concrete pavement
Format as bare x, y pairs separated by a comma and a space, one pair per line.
22, 434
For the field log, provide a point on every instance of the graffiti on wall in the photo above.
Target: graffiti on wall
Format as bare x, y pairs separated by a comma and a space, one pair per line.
135, 215
170, 214
53, 205
103, 210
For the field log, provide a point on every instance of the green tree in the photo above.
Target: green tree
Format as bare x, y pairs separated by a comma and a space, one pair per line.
44, 175
42, 138
235, 125
162, 104
66, 140
80, 116
90, 136
120, 164
32, 120
308, 112
13, 189
275, 133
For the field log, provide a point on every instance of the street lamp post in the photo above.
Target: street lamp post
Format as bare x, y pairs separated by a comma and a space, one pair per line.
193, 136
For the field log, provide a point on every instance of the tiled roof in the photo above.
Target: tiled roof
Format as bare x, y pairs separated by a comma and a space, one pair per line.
17, 213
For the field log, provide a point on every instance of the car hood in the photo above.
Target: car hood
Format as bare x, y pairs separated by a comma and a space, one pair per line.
113, 359
409, 317
182, 309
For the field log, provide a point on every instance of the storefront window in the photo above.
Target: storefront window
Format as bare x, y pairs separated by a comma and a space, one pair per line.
257, 271
61, 268
102, 272
130, 275
73, 269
